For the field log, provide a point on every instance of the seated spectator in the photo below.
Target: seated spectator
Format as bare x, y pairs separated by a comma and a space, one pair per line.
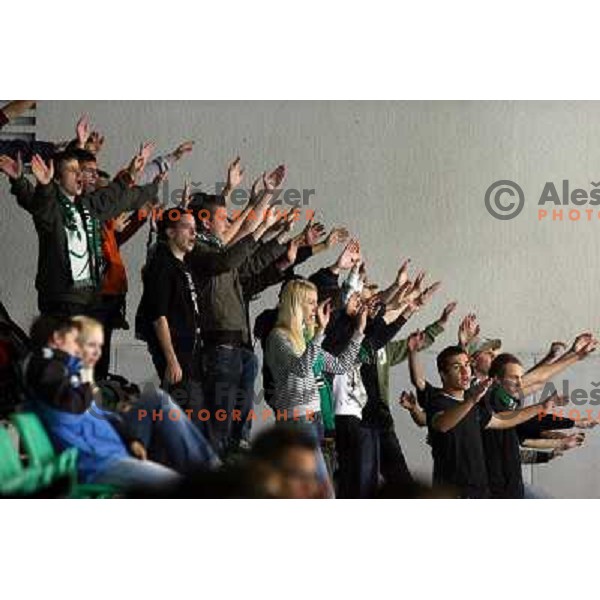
67, 407
159, 428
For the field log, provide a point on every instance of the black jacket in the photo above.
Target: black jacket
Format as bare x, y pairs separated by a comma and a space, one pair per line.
222, 274
168, 293
54, 282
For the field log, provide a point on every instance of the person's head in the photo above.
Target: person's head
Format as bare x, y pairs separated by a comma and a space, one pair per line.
288, 456
67, 172
57, 332
89, 170
368, 291
91, 340
482, 355
178, 229
211, 213
454, 368
507, 370
298, 309
354, 304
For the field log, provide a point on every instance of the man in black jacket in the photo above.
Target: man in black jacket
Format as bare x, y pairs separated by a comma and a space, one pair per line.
168, 317
68, 227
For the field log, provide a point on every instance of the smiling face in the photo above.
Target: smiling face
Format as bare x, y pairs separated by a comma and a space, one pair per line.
91, 347
512, 378
309, 307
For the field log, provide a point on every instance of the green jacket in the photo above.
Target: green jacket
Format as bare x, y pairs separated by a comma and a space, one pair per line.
396, 352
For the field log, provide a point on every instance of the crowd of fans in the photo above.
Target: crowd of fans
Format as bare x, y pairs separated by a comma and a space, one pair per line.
328, 347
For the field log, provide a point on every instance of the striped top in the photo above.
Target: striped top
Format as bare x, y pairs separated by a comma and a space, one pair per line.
295, 383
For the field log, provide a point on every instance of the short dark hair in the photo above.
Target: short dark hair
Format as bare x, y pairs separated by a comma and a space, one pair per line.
83, 155
60, 158
271, 445
169, 220
45, 326
446, 354
499, 364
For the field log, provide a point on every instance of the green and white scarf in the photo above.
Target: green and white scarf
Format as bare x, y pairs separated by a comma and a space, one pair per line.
84, 243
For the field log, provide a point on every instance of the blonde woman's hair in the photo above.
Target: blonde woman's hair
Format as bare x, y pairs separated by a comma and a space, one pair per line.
86, 326
290, 318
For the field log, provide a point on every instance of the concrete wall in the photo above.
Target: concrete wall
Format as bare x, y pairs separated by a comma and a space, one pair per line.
409, 178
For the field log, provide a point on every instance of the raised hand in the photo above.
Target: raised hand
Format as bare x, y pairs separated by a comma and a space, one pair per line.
350, 256
584, 344
146, 151
416, 341
553, 401
11, 168
182, 150
42, 172
574, 440
186, 197
478, 391
312, 232
338, 235
235, 174
448, 310
402, 276
324, 314
425, 296
361, 320
556, 350
122, 221
408, 400
275, 178
94, 143
255, 190
468, 330
82, 130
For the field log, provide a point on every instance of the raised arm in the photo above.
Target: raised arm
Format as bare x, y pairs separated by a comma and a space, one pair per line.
583, 346
512, 418
408, 401
415, 343
448, 419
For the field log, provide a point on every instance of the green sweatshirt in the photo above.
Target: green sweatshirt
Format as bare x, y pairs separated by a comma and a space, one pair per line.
396, 352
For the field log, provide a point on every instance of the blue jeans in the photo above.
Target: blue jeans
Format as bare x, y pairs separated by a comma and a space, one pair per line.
128, 473
229, 375
159, 423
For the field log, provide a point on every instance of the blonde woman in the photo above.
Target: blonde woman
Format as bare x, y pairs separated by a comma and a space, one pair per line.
293, 351
173, 435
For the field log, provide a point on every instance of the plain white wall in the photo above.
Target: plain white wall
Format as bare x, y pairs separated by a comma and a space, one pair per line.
409, 179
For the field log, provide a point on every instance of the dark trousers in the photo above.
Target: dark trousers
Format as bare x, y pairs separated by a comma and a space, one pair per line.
228, 376
392, 463
108, 311
357, 457
188, 393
